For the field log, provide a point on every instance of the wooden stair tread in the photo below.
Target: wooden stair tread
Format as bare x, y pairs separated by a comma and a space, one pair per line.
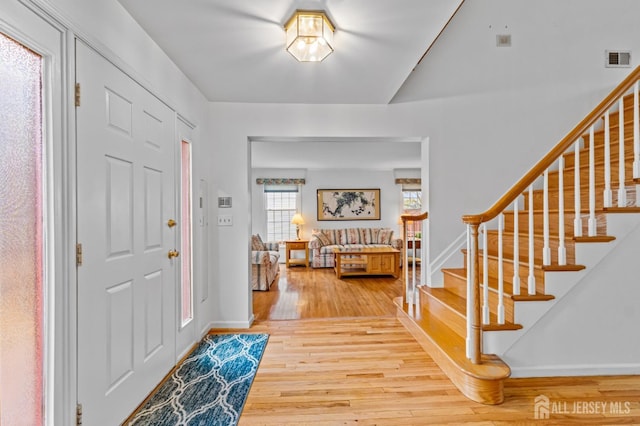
594, 239
630, 209
563, 268
452, 300
482, 382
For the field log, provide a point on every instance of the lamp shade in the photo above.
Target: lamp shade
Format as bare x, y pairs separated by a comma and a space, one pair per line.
309, 35
297, 219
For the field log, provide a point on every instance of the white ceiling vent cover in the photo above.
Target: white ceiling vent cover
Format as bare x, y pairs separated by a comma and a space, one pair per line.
617, 59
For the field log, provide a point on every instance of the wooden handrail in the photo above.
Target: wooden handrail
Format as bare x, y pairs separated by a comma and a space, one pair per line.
414, 217
556, 152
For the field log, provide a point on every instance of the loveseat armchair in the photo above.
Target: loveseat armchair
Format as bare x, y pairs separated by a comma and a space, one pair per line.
265, 266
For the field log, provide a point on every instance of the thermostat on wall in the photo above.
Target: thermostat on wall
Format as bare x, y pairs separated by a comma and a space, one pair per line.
224, 202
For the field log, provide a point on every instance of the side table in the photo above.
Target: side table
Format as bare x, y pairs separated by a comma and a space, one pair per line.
297, 245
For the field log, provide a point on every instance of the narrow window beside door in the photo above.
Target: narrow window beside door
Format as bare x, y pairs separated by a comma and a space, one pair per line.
21, 236
185, 214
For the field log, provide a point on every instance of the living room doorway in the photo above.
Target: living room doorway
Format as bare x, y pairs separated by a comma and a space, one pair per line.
325, 163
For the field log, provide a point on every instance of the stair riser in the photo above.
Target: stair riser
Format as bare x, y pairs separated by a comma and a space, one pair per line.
568, 176
507, 240
431, 306
614, 149
554, 197
538, 222
508, 269
452, 281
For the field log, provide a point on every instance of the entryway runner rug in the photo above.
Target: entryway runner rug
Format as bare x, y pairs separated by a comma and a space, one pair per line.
210, 386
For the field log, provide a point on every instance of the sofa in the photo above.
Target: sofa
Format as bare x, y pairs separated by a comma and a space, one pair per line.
324, 241
265, 266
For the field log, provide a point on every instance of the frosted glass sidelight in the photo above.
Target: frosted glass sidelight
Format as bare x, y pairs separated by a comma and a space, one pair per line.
186, 281
21, 238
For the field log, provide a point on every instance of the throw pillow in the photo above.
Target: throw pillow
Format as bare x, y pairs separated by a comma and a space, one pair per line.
324, 240
256, 243
385, 236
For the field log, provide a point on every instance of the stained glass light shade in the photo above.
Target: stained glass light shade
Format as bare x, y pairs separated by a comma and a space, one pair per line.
309, 36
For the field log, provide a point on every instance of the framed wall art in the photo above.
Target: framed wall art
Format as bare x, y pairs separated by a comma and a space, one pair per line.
348, 204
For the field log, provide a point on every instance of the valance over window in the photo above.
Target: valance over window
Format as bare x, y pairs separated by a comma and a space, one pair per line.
410, 184
280, 181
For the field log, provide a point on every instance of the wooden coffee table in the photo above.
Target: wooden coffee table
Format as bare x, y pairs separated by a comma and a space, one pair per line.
367, 261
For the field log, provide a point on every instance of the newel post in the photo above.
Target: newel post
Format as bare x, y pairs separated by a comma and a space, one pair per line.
474, 320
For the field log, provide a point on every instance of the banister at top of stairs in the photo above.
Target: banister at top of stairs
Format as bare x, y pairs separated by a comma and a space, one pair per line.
562, 146
410, 281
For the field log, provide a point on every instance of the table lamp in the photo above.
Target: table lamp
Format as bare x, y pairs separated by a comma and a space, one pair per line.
297, 221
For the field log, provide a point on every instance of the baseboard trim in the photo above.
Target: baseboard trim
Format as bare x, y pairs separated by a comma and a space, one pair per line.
232, 324
576, 370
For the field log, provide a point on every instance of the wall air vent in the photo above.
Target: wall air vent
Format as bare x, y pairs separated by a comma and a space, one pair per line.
617, 59
503, 40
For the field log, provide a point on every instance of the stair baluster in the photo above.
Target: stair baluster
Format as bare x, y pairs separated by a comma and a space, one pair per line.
608, 195
485, 276
516, 248
592, 184
577, 221
636, 135
562, 250
500, 269
546, 250
622, 190
531, 282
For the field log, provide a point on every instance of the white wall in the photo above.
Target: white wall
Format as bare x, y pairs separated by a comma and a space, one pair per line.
488, 115
593, 329
390, 197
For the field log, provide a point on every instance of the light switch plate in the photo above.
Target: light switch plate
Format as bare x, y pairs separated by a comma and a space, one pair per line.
225, 220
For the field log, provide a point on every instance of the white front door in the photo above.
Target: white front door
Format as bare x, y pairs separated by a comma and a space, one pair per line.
127, 284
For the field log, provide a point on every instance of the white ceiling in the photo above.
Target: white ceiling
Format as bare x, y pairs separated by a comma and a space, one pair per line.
233, 50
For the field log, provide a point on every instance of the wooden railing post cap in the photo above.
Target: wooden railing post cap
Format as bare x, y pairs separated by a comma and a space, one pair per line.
472, 219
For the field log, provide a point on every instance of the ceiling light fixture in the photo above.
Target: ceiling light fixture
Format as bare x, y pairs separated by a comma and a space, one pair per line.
309, 35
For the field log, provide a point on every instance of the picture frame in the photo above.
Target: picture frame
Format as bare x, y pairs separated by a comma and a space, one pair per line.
348, 204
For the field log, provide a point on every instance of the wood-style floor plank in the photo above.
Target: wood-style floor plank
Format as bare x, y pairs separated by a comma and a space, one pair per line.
338, 356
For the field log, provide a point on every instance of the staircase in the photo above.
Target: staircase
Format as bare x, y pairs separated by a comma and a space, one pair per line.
525, 249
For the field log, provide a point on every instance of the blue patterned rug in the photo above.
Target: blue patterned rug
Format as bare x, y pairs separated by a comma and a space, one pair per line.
210, 386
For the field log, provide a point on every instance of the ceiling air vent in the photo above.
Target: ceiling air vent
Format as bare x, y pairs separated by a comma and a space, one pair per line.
617, 59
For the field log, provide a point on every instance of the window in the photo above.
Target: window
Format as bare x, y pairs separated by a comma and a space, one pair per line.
281, 203
22, 239
185, 232
411, 201
412, 204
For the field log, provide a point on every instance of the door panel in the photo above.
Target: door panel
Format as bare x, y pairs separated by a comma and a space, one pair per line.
127, 285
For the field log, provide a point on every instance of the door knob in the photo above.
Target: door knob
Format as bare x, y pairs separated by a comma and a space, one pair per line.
173, 253
171, 223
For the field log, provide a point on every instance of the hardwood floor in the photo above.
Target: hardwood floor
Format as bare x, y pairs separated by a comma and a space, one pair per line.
337, 355
301, 293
